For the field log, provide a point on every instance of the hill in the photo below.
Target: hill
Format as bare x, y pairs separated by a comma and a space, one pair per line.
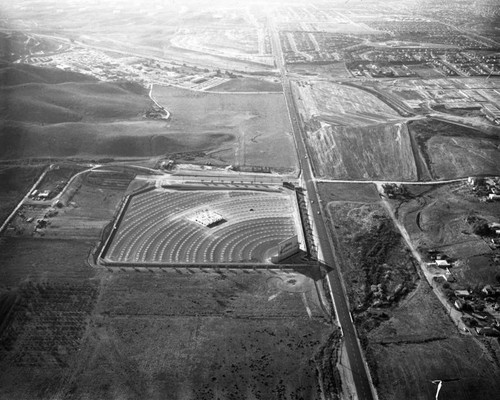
52, 113
70, 102
17, 74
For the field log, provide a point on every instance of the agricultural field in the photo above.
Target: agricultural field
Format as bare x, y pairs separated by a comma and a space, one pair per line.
455, 151
362, 153
239, 129
175, 226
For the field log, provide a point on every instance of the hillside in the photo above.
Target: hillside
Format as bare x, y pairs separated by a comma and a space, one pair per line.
41, 95
18, 74
51, 113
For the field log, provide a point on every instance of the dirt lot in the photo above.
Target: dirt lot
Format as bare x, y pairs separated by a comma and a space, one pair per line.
255, 128
362, 153
454, 151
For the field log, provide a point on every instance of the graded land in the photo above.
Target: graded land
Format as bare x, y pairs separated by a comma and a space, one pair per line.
248, 129
455, 151
362, 153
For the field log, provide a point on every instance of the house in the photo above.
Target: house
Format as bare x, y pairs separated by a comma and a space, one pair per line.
462, 293
44, 195
443, 263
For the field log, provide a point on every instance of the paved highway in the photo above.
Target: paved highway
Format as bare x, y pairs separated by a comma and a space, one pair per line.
354, 353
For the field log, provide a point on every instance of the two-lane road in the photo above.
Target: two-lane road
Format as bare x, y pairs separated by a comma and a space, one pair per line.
327, 252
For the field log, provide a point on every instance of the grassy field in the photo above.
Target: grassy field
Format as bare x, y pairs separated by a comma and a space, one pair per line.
256, 126
453, 151
362, 153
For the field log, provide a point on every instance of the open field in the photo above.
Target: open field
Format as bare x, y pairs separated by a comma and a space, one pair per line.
374, 152
256, 126
454, 151
418, 343
233, 350
166, 226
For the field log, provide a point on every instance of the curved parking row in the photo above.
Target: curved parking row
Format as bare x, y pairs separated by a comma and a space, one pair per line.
156, 227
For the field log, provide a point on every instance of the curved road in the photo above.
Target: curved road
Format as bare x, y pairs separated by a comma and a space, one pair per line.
329, 258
